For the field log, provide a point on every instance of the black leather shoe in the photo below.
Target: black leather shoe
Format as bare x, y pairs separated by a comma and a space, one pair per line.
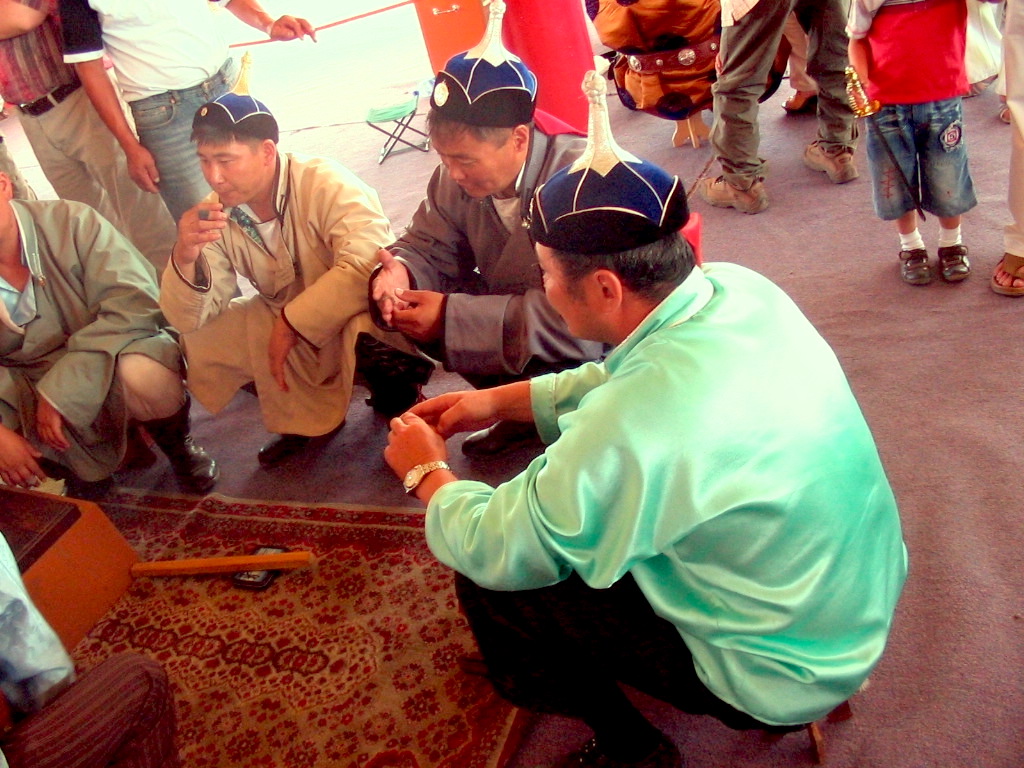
194, 467
914, 267
501, 437
391, 401
281, 447
395, 379
95, 490
954, 264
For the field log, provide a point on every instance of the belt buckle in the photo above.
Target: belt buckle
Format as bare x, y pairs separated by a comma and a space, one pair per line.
31, 107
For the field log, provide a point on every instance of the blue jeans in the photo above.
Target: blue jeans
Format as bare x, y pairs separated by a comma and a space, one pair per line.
927, 141
164, 125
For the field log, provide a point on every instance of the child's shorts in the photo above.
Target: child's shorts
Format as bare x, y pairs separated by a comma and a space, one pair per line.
927, 141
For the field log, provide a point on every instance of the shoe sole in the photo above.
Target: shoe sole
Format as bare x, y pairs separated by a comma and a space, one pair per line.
843, 178
918, 281
760, 206
955, 278
1006, 290
740, 208
197, 485
809, 107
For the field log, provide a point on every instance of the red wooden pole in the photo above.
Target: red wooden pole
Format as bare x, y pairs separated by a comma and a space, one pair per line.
550, 36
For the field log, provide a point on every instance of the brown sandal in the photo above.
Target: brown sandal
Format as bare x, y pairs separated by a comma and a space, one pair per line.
1012, 265
801, 103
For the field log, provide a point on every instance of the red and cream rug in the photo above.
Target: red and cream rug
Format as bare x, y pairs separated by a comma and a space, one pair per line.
353, 662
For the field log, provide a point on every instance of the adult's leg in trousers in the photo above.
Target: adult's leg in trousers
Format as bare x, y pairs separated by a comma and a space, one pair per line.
1013, 49
827, 58
563, 649
748, 49
164, 125
84, 162
22, 190
120, 714
797, 36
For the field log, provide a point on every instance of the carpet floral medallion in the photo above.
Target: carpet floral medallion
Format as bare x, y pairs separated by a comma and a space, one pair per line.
353, 662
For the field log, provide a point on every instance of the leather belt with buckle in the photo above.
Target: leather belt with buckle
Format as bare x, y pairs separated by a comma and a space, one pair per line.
43, 105
695, 56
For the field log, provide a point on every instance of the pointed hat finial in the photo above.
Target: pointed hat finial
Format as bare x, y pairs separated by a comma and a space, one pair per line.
608, 200
490, 48
241, 87
602, 153
486, 85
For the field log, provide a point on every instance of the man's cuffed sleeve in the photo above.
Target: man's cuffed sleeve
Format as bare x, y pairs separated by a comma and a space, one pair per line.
83, 34
350, 220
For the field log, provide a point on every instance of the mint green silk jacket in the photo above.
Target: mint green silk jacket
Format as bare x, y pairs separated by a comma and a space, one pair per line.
718, 455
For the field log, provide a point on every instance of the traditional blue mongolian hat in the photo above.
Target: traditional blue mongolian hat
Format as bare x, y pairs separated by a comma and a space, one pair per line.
237, 112
486, 85
608, 200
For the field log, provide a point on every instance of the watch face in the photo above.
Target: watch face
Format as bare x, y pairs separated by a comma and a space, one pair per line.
417, 473
412, 478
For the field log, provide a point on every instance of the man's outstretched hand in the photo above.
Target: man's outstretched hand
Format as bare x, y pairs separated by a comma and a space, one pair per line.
392, 277
422, 318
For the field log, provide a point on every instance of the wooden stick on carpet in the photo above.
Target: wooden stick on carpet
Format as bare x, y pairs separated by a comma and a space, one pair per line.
286, 561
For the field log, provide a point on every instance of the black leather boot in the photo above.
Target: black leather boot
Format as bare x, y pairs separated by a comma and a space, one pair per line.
139, 452
193, 466
395, 379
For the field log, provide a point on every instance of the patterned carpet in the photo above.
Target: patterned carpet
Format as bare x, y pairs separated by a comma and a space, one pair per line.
351, 663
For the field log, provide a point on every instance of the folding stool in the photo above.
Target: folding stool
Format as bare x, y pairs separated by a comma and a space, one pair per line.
400, 117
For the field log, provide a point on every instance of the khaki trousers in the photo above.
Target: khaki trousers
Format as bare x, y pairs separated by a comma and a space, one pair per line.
84, 162
748, 49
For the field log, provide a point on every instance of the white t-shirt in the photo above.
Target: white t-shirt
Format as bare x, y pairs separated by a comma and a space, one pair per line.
155, 45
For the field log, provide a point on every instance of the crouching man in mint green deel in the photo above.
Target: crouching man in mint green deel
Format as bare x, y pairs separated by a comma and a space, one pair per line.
709, 523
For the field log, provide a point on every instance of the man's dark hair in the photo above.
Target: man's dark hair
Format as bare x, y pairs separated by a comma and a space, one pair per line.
440, 126
651, 271
252, 131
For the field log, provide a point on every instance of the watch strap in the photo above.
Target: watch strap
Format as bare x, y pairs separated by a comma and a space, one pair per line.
423, 470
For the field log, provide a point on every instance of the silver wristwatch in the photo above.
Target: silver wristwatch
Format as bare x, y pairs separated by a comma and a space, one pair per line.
415, 475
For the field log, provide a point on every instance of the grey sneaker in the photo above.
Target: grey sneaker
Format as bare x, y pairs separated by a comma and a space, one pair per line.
721, 194
838, 165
